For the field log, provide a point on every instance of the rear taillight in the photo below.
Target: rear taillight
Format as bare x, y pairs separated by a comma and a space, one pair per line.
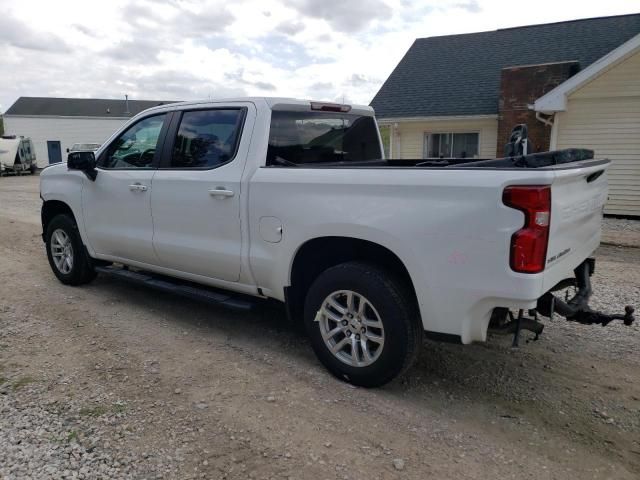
529, 244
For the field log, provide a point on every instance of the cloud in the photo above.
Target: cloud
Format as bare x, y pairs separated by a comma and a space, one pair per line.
18, 34
321, 86
471, 6
205, 21
343, 15
282, 52
182, 86
139, 50
151, 30
322, 91
83, 29
358, 80
190, 49
238, 78
134, 12
290, 27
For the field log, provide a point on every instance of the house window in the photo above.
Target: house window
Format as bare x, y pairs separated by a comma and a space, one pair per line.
451, 145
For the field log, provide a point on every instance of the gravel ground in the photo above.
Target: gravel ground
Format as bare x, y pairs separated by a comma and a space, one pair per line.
114, 381
621, 225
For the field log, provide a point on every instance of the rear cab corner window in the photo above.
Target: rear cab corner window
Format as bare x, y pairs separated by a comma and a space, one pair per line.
207, 139
136, 147
311, 138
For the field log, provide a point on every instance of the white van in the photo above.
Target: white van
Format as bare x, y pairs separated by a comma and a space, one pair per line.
17, 155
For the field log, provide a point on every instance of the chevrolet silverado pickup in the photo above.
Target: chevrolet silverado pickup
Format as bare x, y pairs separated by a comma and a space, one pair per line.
270, 198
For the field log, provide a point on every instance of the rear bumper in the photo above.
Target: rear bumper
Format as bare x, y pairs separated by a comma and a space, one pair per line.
576, 309
486, 313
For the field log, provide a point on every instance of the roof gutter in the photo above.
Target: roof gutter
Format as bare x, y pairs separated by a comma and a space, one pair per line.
442, 118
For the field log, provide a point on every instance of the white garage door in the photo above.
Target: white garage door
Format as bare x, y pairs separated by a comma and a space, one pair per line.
611, 127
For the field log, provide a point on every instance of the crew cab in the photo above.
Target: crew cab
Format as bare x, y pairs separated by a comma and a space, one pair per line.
293, 200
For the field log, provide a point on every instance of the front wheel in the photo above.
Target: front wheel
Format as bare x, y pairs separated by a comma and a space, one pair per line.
66, 252
363, 323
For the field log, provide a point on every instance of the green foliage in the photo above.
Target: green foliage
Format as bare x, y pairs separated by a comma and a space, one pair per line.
21, 382
1, 126
94, 411
99, 410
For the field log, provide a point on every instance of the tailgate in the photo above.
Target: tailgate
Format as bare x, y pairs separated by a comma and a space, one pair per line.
578, 195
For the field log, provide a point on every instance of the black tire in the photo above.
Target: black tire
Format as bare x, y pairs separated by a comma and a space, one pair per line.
394, 304
82, 270
33, 169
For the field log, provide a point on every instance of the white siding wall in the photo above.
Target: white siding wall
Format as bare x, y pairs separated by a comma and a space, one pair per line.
604, 115
66, 130
409, 136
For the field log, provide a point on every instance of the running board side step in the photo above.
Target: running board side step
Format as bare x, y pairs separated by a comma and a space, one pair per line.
184, 289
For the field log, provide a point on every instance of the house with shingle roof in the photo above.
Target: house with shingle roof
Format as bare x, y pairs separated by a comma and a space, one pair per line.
574, 84
55, 124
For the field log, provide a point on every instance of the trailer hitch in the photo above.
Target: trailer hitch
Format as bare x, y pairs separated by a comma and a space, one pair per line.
577, 308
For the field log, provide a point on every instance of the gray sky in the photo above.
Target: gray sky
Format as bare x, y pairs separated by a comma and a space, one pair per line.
189, 49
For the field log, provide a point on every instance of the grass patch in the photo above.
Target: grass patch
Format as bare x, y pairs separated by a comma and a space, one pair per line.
94, 411
72, 436
2, 380
100, 410
21, 382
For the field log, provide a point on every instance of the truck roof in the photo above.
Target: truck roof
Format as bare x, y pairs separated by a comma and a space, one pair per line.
274, 103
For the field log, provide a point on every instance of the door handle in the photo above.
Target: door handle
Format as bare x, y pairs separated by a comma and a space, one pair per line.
221, 192
138, 187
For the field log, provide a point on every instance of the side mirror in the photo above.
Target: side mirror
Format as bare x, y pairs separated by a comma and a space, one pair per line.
85, 162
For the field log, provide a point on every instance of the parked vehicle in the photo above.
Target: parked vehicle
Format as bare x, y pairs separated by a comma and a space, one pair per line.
17, 155
83, 147
292, 200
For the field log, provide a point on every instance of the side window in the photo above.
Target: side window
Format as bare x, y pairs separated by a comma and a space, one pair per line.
136, 147
207, 138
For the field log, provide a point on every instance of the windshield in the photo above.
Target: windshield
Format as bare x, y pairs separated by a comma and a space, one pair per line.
299, 138
85, 146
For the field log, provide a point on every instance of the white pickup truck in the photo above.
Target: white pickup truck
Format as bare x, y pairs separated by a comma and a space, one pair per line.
232, 201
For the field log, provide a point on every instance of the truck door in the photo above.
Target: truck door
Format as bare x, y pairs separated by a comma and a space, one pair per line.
196, 194
117, 206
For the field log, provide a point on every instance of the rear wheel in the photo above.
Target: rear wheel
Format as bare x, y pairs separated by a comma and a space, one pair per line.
67, 255
363, 323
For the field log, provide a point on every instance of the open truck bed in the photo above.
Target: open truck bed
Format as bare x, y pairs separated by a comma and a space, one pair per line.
532, 160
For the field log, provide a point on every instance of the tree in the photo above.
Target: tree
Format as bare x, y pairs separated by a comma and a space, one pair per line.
1, 126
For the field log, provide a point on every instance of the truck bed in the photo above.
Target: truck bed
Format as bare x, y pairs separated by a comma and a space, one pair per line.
533, 160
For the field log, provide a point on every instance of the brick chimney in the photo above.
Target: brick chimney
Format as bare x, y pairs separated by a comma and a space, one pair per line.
520, 86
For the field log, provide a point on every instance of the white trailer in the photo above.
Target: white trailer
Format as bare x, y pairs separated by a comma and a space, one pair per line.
17, 155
